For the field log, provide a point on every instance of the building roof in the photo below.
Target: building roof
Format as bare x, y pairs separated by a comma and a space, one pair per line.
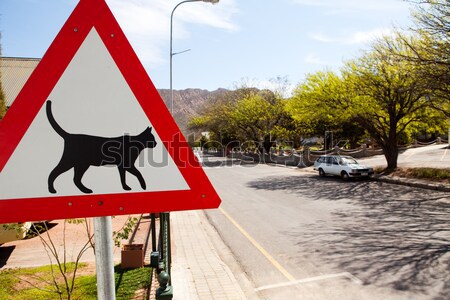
14, 73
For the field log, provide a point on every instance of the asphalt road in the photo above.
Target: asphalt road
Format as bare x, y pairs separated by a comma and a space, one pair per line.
298, 236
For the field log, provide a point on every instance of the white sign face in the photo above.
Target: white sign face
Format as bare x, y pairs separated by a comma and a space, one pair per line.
108, 110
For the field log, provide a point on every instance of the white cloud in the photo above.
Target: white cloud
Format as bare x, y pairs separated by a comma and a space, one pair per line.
350, 6
147, 23
358, 37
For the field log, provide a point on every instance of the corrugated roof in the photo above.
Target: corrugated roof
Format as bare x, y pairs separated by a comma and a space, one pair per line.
14, 73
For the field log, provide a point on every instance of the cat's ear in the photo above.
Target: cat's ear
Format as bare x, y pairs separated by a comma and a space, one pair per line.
150, 128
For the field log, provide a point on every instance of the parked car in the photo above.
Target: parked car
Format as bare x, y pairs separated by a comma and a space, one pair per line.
344, 166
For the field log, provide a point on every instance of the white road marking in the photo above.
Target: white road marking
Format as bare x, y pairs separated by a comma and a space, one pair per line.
348, 275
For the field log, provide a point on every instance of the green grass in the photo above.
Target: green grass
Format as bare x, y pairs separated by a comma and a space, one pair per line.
129, 281
429, 173
14, 285
419, 173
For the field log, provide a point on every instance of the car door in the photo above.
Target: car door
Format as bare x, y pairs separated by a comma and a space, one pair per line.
328, 165
336, 166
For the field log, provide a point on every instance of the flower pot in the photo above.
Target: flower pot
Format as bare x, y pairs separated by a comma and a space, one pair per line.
132, 256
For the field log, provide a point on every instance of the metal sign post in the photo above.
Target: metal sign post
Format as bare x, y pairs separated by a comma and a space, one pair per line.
104, 259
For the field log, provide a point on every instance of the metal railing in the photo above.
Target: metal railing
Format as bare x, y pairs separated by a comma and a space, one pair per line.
160, 257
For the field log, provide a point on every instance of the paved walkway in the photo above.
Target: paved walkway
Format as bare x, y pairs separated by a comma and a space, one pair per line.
198, 272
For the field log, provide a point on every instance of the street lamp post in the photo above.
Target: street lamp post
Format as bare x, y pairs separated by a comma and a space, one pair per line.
171, 52
165, 289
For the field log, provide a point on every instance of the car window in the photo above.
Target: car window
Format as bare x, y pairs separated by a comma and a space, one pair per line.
349, 160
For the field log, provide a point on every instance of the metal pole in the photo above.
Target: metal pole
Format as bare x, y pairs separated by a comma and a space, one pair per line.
153, 226
169, 249
104, 259
171, 51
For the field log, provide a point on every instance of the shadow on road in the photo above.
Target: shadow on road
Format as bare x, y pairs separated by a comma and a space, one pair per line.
393, 235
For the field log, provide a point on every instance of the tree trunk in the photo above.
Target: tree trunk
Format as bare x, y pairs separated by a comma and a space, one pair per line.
390, 150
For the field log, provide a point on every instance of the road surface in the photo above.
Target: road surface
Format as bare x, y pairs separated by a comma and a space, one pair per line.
298, 236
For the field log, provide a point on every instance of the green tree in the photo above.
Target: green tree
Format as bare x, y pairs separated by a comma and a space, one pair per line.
246, 114
214, 117
389, 96
385, 95
321, 103
428, 42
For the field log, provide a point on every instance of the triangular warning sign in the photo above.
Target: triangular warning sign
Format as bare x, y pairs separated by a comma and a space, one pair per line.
89, 135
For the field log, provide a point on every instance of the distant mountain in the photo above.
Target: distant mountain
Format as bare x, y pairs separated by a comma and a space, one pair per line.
187, 103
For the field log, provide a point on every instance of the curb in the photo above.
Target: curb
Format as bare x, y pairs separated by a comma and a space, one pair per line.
414, 183
424, 184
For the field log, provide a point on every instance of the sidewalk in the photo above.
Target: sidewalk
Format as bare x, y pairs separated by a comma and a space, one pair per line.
198, 272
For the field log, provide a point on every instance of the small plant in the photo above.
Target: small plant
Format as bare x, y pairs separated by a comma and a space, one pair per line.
62, 273
124, 232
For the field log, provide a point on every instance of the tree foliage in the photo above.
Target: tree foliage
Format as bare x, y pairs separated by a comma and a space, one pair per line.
389, 97
246, 114
384, 95
397, 89
429, 44
321, 104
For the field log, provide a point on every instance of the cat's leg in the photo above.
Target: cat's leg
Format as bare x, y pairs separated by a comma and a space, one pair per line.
133, 170
58, 170
78, 175
122, 178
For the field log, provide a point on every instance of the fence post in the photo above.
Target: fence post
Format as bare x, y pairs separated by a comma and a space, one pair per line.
165, 290
154, 255
364, 150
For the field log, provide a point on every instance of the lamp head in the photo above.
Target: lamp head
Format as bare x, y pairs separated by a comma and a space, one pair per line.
211, 1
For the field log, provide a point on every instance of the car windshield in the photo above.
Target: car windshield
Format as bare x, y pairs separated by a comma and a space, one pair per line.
348, 161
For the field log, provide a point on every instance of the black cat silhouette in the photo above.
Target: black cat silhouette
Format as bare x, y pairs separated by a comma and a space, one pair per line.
82, 151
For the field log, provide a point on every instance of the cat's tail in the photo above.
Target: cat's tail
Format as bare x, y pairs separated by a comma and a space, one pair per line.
52, 120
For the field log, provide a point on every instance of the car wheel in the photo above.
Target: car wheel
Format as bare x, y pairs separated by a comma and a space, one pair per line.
322, 173
344, 175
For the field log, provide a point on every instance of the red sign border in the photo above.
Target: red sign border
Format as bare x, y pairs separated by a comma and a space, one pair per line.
96, 14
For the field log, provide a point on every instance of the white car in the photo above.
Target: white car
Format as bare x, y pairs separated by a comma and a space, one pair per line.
344, 166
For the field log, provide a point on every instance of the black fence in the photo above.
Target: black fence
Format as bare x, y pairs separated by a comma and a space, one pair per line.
160, 257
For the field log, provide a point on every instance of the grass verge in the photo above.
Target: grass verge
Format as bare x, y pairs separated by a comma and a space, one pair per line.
37, 283
424, 173
434, 174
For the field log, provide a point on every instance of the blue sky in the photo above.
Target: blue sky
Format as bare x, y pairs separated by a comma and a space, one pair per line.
232, 43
